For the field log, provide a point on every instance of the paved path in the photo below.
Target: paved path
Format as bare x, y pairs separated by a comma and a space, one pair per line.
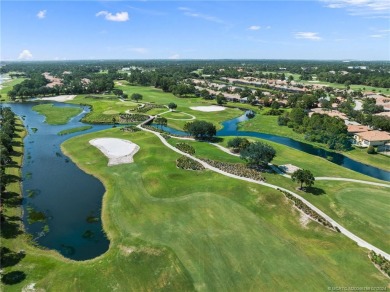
354, 180
347, 233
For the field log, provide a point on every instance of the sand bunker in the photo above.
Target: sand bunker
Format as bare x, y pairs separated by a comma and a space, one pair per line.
117, 151
288, 168
60, 98
210, 108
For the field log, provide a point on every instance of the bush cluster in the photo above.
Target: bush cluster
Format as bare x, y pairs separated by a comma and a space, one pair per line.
130, 129
381, 262
307, 210
236, 169
148, 107
128, 118
185, 162
185, 148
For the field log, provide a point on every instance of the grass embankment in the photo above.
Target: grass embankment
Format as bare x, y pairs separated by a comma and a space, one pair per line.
176, 229
73, 130
56, 115
364, 210
268, 125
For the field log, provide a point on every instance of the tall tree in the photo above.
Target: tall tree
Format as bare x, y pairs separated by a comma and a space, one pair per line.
258, 153
303, 176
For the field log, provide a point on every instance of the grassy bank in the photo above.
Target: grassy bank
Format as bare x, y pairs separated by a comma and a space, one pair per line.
73, 130
56, 115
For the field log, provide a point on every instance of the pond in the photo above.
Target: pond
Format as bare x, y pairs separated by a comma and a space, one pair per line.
62, 204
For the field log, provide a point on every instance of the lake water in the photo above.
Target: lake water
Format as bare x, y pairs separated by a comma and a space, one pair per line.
54, 185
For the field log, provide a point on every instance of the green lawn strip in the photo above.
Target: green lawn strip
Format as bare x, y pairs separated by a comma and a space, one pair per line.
7, 86
268, 124
103, 109
215, 225
56, 115
73, 130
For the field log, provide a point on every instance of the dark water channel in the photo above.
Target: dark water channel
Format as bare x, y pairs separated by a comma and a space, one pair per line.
230, 129
53, 185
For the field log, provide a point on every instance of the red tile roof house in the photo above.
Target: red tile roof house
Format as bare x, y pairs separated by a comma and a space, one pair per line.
353, 129
374, 138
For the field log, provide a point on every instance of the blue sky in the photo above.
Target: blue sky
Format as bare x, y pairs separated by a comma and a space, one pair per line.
68, 30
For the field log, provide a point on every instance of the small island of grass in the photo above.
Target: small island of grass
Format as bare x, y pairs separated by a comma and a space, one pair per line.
56, 115
73, 130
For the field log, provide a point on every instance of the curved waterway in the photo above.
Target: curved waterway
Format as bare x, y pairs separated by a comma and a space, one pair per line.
230, 129
53, 185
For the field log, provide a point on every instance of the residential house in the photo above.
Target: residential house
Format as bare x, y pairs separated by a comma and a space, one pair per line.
374, 138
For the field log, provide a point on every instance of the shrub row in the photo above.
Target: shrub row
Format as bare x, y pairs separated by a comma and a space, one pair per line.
381, 262
148, 107
185, 162
236, 169
155, 129
130, 129
128, 118
307, 210
185, 148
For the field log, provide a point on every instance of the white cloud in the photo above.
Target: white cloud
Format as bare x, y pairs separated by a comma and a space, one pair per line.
254, 27
119, 16
25, 55
307, 35
41, 14
174, 57
368, 8
376, 36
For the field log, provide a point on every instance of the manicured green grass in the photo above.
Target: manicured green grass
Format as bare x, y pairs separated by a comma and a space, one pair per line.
7, 86
268, 124
178, 230
364, 210
56, 115
74, 130
215, 225
157, 96
177, 115
104, 109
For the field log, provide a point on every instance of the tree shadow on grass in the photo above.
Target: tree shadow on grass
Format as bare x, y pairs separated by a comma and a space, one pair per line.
10, 227
11, 199
14, 277
315, 191
10, 258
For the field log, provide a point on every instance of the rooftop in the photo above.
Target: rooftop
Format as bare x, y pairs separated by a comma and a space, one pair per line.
375, 135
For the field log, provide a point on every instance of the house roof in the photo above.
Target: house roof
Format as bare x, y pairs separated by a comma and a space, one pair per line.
357, 129
374, 135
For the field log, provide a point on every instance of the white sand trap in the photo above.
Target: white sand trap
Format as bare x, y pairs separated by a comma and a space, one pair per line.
288, 168
210, 108
117, 151
60, 98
